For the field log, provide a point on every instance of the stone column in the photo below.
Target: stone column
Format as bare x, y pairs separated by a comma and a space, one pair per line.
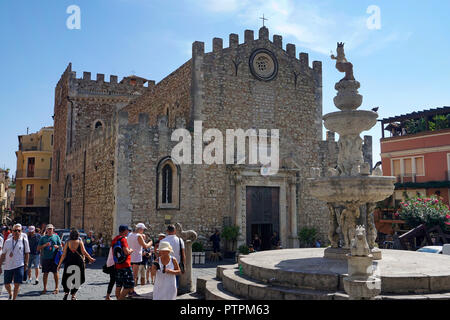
238, 210
188, 237
294, 242
185, 285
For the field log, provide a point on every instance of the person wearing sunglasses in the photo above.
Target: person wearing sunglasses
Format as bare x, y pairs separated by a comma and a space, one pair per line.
48, 246
166, 269
15, 255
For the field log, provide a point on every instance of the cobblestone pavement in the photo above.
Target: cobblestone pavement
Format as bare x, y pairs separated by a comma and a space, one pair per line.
95, 286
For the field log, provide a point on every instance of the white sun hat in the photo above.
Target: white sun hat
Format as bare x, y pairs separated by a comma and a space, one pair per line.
141, 226
165, 246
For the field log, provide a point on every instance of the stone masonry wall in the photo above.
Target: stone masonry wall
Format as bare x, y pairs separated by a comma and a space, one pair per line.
171, 96
139, 149
92, 166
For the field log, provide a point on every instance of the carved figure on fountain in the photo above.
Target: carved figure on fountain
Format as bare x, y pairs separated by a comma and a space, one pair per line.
371, 229
342, 64
348, 223
350, 155
333, 234
360, 247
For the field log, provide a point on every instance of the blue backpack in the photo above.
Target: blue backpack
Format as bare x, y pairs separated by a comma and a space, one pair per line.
118, 254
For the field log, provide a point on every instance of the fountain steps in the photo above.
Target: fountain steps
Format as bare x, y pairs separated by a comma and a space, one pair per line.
248, 288
271, 275
236, 287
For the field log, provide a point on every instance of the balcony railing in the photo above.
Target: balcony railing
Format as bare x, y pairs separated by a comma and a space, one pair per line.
406, 177
32, 148
32, 202
36, 173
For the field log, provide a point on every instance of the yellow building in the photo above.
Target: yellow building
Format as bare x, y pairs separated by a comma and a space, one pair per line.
33, 177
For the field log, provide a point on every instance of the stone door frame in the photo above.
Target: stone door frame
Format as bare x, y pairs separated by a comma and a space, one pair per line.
286, 181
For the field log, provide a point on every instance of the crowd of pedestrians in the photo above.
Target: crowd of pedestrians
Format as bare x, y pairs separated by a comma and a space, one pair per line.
132, 256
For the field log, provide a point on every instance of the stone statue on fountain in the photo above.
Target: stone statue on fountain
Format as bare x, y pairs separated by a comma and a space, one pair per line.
342, 64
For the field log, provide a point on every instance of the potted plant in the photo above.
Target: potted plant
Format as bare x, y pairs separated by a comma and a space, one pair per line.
198, 253
230, 233
307, 237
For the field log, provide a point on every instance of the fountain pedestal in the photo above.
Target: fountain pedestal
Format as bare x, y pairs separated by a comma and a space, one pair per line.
361, 284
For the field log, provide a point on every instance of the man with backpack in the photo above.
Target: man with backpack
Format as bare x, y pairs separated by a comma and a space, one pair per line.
122, 261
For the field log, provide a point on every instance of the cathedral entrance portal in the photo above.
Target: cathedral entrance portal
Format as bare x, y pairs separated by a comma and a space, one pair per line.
263, 214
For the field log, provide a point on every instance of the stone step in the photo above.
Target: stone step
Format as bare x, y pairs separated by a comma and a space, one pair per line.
214, 290
191, 296
246, 288
219, 269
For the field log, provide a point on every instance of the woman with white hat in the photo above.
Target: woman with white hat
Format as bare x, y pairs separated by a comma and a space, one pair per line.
165, 268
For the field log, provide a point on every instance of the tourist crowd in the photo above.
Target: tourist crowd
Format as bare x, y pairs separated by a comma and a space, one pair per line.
132, 257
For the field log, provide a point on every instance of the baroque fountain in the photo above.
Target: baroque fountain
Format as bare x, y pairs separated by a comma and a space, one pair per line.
351, 187
352, 267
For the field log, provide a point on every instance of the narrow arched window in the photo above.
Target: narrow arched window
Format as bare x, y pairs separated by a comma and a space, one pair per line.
98, 124
167, 184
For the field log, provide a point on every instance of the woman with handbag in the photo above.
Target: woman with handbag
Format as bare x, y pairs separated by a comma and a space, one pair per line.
73, 264
109, 268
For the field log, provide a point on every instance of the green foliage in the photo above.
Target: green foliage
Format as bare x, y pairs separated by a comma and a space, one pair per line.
441, 122
307, 236
244, 249
431, 211
230, 233
197, 247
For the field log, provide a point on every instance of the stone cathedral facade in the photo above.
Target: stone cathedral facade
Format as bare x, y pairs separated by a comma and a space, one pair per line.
112, 160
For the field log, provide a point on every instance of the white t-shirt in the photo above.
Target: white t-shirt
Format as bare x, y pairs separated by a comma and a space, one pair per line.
18, 250
174, 241
136, 255
1, 245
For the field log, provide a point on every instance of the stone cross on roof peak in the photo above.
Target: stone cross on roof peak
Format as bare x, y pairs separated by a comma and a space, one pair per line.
263, 19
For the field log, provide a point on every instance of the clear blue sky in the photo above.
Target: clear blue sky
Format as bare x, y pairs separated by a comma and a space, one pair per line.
402, 67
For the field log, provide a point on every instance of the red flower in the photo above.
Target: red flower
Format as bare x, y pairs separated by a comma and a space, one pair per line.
447, 223
396, 214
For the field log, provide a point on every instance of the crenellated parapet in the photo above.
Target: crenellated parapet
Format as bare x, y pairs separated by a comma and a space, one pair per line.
131, 86
198, 47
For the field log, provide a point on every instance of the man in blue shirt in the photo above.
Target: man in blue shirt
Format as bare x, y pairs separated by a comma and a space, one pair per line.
34, 261
48, 246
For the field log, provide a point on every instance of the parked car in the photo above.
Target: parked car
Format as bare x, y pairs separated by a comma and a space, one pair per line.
60, 232
445, 249
65, 237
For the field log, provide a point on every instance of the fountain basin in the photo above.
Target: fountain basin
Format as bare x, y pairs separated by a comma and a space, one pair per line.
350, 122
361, 189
